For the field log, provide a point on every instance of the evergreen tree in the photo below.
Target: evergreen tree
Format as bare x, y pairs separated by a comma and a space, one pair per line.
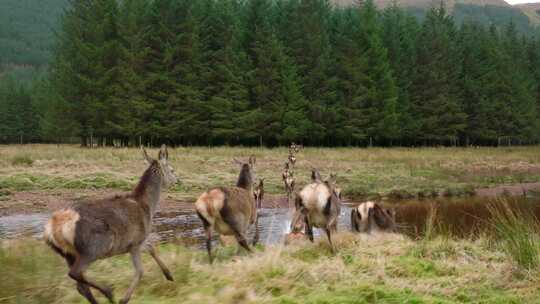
399, 37
307, 43
437, 104
380, 100
225, 92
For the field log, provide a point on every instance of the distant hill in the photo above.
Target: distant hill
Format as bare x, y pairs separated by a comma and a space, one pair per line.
428, 3
496, 12
27, 26
532, 10
27, 33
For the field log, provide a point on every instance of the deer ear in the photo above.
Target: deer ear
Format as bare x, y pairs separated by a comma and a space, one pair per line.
332, 178
252, 160
237, 162
315, 175
163, 153
147, 158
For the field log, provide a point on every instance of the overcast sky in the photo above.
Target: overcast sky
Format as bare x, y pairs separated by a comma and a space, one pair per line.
521, 1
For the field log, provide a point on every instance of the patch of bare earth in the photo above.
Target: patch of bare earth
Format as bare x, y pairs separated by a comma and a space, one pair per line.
511, 190
26, 202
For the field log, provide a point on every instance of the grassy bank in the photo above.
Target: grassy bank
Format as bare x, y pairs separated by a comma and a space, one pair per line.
399, 172
380, 269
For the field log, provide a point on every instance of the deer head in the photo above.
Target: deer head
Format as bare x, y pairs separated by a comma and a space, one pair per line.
165, 169
247, 172
258, 193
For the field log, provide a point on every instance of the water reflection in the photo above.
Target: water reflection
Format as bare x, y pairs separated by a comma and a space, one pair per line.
459, 217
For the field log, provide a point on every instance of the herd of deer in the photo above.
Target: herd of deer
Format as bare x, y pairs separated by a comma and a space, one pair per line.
98, 229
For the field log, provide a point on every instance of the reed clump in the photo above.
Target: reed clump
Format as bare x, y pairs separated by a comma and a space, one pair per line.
517, 233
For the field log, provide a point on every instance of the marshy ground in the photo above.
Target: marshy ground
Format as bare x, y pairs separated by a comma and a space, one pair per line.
46, 177
453, 248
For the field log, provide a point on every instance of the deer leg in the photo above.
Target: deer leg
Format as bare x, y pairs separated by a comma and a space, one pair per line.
136, 259
85, 291
209, 243
228, 218
77, 273
309, 229
82, 288
328, 234
160, 263
208, 231
242, 241
256, 237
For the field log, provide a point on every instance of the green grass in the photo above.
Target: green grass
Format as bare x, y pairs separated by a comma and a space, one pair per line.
362, 173
22, 160
25, 182
518, 235
378, 269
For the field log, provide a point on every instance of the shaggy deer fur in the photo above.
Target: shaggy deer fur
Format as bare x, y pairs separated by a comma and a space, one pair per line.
370, 217
86, 232
230, 211
288, 181
319, 206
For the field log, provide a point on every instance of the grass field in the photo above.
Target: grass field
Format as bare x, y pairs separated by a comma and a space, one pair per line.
440, 267
383, 269
362, 173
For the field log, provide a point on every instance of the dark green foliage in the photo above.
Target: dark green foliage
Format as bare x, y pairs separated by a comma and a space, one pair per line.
437, 103
214, 72
18, 115
26, 31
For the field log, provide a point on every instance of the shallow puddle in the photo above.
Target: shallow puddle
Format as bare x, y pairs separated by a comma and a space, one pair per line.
464, 217
178, 227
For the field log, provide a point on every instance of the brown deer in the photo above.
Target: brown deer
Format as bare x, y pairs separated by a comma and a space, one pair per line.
292, 159
370, 217
258, 193
288, 181
319, 206
294, 148
298, 224
230, 210
98, 229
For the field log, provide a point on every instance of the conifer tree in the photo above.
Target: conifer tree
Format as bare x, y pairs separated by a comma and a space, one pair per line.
437, 104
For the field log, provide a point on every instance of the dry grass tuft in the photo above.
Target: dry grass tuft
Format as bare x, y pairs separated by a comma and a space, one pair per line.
383, 268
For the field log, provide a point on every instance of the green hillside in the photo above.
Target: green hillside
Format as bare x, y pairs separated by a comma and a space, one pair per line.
27, 26
27, 33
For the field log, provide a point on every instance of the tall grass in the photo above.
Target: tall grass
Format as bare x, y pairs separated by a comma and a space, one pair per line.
518, 234
367, 269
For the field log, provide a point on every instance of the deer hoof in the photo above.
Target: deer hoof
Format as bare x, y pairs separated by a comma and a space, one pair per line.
108, 293
168, 276
123, 301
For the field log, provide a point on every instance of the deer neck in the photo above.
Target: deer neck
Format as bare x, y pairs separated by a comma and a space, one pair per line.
148, 191
244, 179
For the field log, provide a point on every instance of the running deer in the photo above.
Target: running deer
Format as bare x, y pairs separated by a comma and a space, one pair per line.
294, 148
98, 229
230, 210
292, 158
370, 217
319, 206
258, 193
288, 181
